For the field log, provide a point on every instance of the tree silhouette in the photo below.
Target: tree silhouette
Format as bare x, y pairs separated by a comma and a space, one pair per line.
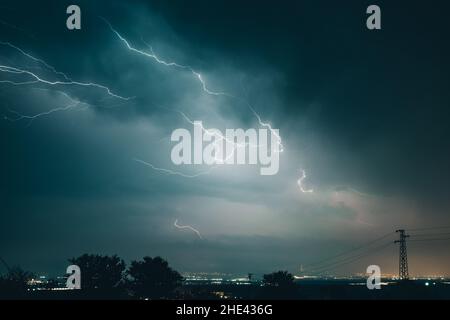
15, 283
153, 278
278, 285
278, 279
101, 273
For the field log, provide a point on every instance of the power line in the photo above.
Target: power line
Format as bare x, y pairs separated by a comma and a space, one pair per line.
368, 244
353, 259
435, 239
429, 228
368, 248
431, 234
360, 254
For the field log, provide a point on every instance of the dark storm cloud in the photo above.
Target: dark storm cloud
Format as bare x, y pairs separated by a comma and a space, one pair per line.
358, 109
382, 96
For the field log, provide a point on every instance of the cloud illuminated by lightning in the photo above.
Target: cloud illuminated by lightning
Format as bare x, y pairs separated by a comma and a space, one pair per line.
159, 60
300, 183
199, 77
217, 159
187, 227
213, 133
235, 144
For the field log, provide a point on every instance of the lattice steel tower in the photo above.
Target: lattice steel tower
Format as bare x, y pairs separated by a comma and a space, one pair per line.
403, 259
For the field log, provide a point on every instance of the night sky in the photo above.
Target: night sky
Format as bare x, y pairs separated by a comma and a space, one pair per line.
364, 113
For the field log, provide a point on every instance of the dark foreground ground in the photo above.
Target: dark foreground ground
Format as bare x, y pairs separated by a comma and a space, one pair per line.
330, 291
302, 290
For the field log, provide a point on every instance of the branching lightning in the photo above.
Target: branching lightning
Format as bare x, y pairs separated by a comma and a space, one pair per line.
199, 77
159, 60
153, 56
67, 81
187, 227
40, 61
267, 125
14, 70
14, 83
217, 159
221, 137
72, 104
36, 78
172, 172
46, 113
236, 144
211, 133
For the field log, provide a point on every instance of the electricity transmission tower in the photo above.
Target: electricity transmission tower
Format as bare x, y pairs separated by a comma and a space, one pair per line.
403, 259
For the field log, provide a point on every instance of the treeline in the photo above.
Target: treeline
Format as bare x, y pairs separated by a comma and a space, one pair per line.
108, 277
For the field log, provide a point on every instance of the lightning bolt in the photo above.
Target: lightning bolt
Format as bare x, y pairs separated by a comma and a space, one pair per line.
187, 227
197, 75
268, 126
14, 70
300, 183
18, 83
235, 144
39, 79
172, 172
204, 86
217, 159
68, 81
46, 113
211, 133
221, 137
159, 60
40, 61
73, 103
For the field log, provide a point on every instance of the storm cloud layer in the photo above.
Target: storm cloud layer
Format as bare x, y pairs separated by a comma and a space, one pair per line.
365, 114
